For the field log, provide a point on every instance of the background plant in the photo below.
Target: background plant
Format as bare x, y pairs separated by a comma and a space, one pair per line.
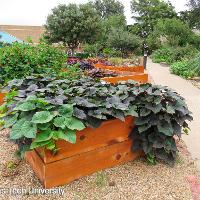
187, 69
170, 55
72, 24
20, 60
44, 104
123, 41
148, 12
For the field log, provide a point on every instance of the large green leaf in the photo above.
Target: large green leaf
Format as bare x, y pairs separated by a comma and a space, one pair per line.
69, 135
144, 127
144, 112
29, 129
44, 136
39, 144
59, 122
43, 127
132, 111
74, 124
66, 110
170, 109
42, 117
16, 132
11, 120
165, 128
26, 106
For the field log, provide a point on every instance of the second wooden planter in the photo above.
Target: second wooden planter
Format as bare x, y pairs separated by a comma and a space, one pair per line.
121, 68
95, 149
2, 95
138, 77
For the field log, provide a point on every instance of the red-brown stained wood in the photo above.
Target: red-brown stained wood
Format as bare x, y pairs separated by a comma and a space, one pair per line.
141, 78
2, 95
110, 132
139, 69
66, 170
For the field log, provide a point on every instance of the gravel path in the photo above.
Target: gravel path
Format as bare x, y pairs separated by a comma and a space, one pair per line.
133, 181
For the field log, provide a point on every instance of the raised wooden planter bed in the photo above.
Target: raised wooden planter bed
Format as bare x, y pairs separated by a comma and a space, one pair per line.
2, 95
122, 68
139, 77
96, 149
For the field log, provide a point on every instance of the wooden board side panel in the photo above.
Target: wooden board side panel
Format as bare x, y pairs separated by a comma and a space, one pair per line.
141, 78
110, 132
121, 68
2, 95
66, 170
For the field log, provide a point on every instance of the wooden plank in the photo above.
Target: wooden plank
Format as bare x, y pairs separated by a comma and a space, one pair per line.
110, 132
121, 68
69, 169
141, 78
2, 95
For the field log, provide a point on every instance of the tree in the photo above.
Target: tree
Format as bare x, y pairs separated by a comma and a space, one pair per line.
114, 21
193, 4
192, 16
107, 8
148, 12
172, 32
72, 24
123, 40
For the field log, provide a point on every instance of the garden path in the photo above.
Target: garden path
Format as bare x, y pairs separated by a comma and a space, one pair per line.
161, 75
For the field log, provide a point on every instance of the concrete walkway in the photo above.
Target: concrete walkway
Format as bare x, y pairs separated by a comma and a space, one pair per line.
161, 76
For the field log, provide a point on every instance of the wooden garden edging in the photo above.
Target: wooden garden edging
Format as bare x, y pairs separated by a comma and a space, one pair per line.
121, 68
96, 149
2, 95
141, 78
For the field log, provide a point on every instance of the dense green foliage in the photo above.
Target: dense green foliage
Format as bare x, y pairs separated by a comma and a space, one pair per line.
187, 69
72, 24
107, 8
174, 31
191, 16
180, 68
20, 60
170, 55
44, 110
148, 12
123, 41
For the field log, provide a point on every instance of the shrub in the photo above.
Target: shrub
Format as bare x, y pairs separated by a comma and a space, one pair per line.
118, 61
171, 55
187, 69
20, 60
176, 32
92, 49
71, 72
123, 40
82, 55
43, 110
163, 55
194, 66
180, 68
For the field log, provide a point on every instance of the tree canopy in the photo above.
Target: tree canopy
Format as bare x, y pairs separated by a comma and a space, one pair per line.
123, 40
148, 12
107, 8
72, 24
192, 16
